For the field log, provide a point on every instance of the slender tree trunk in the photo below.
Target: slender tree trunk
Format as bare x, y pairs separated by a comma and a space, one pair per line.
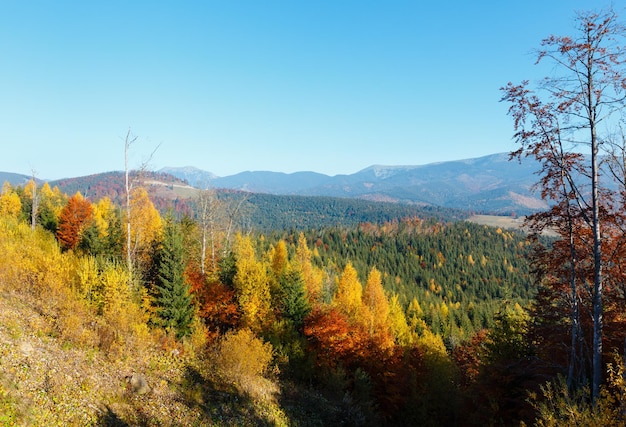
597, 274
212, 232
34, 206
596, 378
129, 259
203, 252
573, 377
207, 206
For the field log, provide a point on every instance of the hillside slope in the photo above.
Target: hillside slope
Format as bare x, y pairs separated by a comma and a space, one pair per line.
46, 380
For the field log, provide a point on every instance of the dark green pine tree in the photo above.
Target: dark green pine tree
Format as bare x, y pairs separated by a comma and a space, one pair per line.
174, 304
295, 305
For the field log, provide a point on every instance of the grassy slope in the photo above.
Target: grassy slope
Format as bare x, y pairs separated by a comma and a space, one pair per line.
45, 381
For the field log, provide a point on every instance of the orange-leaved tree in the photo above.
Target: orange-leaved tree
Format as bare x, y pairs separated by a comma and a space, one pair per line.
74, 219
216, 302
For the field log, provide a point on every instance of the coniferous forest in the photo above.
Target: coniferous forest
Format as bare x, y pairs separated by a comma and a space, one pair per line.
141, 311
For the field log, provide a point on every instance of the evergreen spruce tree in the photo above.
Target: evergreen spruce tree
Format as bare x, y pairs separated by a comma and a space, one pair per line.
294, 302
173, 301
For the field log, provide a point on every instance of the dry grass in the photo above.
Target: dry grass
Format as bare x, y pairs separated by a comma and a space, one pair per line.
47, 379
514, 223
505, 222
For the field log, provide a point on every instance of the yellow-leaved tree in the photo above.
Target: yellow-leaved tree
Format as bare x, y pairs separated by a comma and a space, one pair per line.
146, 226
10, 203
377, 309
251, 285
50, 204
101, 213
279, 258
32, 264
107, 229
400, 329
348, 298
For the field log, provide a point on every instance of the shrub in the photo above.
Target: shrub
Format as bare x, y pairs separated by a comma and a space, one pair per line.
561, 407
243, 360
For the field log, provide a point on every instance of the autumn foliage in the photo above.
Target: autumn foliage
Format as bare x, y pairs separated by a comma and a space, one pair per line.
73, 220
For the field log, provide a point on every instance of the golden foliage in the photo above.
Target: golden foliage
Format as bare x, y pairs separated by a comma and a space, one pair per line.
398, 324
146, 224
34, 265
102, 214
252, 285
279, 258
10, 204
377, 305
560, 407
52, 199
348, 298
244, 360
87, 280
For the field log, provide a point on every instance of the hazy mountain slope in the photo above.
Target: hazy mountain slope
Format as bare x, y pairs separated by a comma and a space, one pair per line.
192, 175
489, 184
486, 184
13, 178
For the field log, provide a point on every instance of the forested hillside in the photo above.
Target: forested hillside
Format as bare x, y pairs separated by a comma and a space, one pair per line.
130, 316
457, 275
266, 212
257, 211
111, 184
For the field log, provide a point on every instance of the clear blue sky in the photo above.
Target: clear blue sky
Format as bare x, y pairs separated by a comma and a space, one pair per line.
229, 86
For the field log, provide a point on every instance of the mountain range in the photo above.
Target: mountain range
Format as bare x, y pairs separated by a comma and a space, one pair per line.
489, 184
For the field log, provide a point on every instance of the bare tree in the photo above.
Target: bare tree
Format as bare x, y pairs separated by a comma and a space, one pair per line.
562, 119
234, 211
208, 209
128, 142
129, 183
35, 205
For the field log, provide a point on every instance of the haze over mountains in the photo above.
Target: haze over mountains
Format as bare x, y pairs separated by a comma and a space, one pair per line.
487, 184
490, 184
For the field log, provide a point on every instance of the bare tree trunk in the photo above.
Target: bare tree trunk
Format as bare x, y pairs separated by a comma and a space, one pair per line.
128, 141
233, 213
35, 205
597, 270
572, 375
204, 205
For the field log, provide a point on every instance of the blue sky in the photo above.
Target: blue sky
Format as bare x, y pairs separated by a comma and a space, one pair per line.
229, 86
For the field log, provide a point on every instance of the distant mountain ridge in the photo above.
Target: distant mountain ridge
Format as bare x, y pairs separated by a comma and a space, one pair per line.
485, 184
488, 184
14, 178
